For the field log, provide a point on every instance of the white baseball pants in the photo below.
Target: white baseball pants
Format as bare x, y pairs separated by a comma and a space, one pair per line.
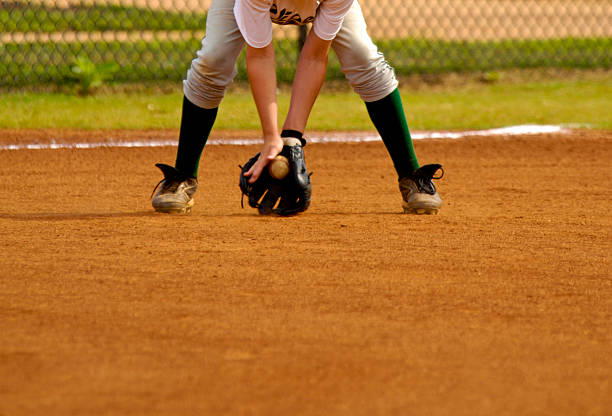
214, 69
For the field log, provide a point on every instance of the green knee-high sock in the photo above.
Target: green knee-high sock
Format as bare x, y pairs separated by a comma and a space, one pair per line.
196, 124
389, 119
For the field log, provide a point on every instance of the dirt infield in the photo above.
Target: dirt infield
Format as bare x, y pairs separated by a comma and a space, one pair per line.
499, 305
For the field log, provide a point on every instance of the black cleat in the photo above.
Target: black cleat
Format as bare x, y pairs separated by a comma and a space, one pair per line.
418, 191
175, 194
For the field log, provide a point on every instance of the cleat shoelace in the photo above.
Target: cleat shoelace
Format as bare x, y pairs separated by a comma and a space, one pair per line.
423, 176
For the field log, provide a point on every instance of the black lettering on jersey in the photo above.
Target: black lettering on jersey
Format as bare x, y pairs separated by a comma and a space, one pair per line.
287, 17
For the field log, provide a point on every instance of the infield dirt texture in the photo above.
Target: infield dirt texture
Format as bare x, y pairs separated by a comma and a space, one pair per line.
500, 305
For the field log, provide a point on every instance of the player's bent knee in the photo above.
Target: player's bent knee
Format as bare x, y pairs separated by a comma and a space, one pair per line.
366, 70
373, 84
207, 80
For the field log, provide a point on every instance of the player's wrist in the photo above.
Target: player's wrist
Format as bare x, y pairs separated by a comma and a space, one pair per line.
271, 147
272, 139
293, 137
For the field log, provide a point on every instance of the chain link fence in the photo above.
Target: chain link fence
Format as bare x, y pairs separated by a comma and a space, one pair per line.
62, 41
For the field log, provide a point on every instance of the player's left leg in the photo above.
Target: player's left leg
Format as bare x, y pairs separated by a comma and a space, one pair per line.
375, 82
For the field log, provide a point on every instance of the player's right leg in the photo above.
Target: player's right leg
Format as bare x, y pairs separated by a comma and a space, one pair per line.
208, 78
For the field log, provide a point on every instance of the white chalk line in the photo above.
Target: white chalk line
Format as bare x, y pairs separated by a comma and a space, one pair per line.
521, 130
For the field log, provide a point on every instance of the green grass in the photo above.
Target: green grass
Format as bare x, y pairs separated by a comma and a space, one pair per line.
40, 18
49, 62
470, 105
435, 56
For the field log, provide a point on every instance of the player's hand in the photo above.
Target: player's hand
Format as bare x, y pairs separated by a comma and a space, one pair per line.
268, 152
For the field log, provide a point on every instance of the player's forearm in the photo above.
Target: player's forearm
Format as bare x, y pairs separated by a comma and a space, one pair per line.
261, 69
308, 80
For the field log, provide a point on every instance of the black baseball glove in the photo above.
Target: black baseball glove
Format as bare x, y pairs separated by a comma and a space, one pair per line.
291, 193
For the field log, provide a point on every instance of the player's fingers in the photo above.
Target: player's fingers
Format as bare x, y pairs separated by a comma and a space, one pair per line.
257, 168
249, 172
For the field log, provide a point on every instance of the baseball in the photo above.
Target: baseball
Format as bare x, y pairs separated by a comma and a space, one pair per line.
279, 167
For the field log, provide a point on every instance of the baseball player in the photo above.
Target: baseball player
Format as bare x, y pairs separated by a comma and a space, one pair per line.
336, 24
